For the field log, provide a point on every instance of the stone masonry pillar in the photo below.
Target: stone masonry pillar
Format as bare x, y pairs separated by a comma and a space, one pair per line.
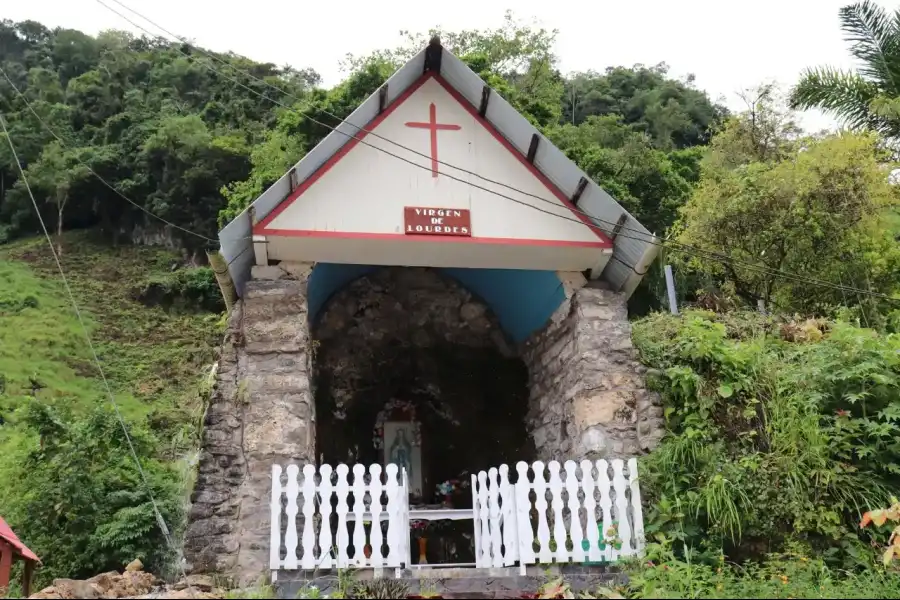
588, 396
261, 413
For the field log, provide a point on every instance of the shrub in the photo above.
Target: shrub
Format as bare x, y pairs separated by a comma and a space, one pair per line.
79, 499
783, 575
777, 431
192, 289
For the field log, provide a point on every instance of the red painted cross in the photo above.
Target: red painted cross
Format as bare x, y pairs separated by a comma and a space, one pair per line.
434, 126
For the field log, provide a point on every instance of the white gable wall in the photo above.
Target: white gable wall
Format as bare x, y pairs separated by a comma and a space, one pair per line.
366, 190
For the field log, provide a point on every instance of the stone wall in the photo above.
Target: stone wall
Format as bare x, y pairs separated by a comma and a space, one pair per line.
261, 412
588, 398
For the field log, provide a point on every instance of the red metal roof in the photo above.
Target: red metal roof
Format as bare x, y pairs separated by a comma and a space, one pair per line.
7, 534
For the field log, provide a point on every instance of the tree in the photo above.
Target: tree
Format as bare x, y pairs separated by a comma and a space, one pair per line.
52, 178
149, 116
625, 163
815, 213
86, 509
766, 131
673, 113
186, 167
869, 97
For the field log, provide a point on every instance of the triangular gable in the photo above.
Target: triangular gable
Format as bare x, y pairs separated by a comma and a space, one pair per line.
363, 189
634, 247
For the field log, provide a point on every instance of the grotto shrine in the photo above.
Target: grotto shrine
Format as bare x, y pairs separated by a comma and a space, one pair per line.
434, 292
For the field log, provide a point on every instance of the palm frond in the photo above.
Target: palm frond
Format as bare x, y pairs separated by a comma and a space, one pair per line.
875, 41
845, 95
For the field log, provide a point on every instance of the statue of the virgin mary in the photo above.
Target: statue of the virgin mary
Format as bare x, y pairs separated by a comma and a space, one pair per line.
400, 452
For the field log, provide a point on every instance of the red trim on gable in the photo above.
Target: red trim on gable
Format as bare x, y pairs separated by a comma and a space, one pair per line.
431, 238
262, 227
531, 168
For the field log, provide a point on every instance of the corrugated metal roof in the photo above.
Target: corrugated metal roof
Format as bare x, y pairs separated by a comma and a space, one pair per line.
632, 253
7, 534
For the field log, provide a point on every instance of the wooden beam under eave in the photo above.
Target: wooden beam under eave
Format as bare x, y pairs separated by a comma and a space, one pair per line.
533, 147
27, 578
223, 278
620, 223
382, 98
485, 98
433, 54
579, 190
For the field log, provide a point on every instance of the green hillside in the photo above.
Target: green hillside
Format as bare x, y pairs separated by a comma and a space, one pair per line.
154, 358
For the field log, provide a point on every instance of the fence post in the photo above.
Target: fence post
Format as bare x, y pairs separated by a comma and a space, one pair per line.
670, 287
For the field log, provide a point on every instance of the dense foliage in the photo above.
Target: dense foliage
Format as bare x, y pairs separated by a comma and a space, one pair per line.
194, 141
152, 118
779, 433
789, 574
68, 482
771, 201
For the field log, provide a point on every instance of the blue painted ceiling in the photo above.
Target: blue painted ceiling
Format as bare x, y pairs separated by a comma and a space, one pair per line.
522, 300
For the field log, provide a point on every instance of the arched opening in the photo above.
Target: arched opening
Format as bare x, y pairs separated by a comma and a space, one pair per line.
410, 345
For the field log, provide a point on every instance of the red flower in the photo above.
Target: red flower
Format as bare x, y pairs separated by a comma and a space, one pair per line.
843, 413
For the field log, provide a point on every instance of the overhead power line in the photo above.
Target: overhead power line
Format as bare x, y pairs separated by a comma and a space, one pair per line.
647, 238
112, 399
94, 173
341, 121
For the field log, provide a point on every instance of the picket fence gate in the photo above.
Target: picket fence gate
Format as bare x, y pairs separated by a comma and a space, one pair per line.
588, 517
329, 502
593, 514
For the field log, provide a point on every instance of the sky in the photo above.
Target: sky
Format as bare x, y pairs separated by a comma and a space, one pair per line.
727, 45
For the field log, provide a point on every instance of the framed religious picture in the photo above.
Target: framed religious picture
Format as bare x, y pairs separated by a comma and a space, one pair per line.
401, 447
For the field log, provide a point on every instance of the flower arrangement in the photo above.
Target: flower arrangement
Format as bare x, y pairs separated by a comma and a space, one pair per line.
453, 486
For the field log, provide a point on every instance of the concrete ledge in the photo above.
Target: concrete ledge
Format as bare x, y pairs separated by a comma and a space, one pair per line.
462, 582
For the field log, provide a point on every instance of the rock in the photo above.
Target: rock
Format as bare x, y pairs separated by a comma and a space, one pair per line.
586, 383
266, 272
203, 583
132, 583
135, 565
105, 583
72, 588
47, 593
188, 592
472, 310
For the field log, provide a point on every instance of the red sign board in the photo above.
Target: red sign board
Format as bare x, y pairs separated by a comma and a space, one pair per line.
419, 220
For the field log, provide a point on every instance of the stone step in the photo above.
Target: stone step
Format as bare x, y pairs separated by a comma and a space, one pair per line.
463, 582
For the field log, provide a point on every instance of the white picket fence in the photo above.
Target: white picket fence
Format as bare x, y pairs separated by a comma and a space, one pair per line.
328, 503
591, 513
586, 517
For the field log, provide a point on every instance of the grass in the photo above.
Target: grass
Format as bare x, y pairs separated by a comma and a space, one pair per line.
153, 359
893, 221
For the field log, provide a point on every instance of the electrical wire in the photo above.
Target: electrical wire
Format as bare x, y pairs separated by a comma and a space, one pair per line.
112, 400
648, 239
94, 173
672, 245
367, 132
